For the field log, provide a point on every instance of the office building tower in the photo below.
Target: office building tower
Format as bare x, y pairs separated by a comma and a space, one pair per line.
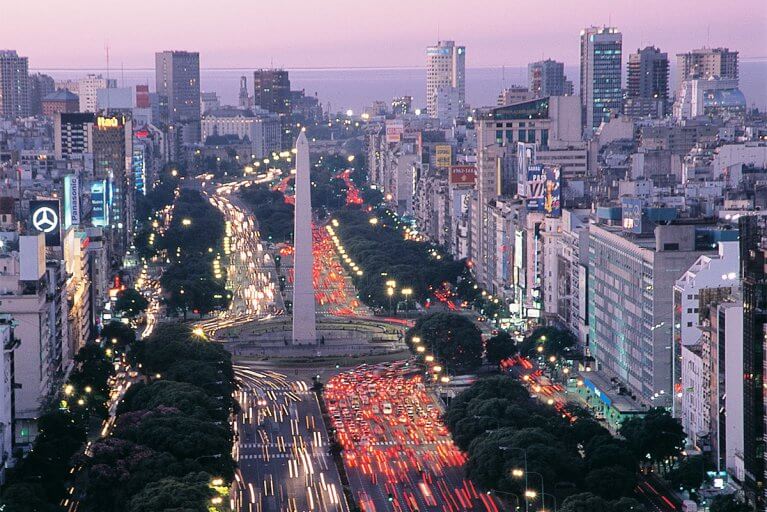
547, 78
445, 69
40, 86
647, 86
112, 146
177, 79
706, 63
14, 84
87, 90
631, 275
271, 90
209, 101
753, 261
601, 58
72, 134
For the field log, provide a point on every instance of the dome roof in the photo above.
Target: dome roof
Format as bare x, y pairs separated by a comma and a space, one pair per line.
724, 98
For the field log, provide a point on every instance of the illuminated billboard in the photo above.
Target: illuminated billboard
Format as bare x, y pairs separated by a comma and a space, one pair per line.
544, 190
45, 217
463, 175
71, 200
443, 154
394, 130
139, 170
99, 203
525, 158
632, 214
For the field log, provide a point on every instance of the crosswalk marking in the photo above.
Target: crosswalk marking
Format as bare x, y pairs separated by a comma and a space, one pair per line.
260, 456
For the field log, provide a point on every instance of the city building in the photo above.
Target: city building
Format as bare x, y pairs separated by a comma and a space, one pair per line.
402, 105
647, 84
40, 86
445, 69
72, 132
753, 261
514, 94
177, 81
208, 101
8, 345
601, 64
271, 90
87, 90
243, 100
706, 63
14, 84
711, 97
631, 274
547, 78
261, 130
61, 101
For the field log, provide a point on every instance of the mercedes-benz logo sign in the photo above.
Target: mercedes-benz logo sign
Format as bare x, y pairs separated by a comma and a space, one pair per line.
45, 219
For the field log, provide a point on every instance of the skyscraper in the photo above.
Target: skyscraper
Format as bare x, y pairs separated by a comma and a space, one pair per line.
271, 90
753, 261
647, 86
14, 84
601, 57
445, 69
40, 86
177, 77
707, 63
547, 78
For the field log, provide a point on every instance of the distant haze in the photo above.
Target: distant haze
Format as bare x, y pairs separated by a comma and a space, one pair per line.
372, 33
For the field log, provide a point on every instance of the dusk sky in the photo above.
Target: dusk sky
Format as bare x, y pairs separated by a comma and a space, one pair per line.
339, 33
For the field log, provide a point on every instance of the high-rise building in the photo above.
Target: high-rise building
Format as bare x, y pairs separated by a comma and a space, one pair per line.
87, 89
271, 90
647, 85
72, 134
547, 78
14, 84
445, 69
513, 94
601, 58
753, 261
40, 86
707, 63
177, 79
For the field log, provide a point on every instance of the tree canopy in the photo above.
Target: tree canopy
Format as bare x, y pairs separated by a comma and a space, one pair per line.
453, 339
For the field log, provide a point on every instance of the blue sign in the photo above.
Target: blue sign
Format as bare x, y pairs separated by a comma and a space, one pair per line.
544, 190
99, 203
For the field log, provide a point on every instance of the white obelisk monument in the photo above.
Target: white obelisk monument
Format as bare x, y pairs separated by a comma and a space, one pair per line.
304, 313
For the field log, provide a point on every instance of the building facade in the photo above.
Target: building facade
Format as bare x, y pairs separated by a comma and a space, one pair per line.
601, 62
445, 69
647, 84
547, 78
14, 84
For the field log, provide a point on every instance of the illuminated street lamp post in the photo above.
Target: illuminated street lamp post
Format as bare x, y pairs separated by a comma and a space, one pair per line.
407, 292
519, 473
391, 284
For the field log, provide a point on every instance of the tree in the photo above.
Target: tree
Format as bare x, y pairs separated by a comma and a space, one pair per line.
626, 505
25, 497
188, 399
130, 303
656, 434
689, 474
611, 454
500, 347
554, 340
585, 502
118, 334
729, 503
190, 493
611, 482
452, 338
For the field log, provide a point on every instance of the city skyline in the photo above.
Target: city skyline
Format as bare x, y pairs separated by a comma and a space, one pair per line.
547, 32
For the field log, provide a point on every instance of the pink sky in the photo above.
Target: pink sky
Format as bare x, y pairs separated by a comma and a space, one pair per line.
317, 33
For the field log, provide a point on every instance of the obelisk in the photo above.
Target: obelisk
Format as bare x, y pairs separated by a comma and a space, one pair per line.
304, 313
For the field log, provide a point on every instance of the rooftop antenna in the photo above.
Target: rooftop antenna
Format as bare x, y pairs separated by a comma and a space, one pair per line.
438, 32
708, 36
122, 73
107, 52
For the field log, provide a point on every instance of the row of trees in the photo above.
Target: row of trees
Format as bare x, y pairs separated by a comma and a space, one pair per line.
171, 443
581, 463
39, 481
274, 215
191, 242
454, 340
384, 254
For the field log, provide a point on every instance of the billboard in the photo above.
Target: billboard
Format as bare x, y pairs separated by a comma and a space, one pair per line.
525, 158
394, 130
45, 217
632, 214
139, 170
71, 200
99, 203
463, 175
443, 155
544, 189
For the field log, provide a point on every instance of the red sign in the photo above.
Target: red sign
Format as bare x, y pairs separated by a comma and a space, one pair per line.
463, 174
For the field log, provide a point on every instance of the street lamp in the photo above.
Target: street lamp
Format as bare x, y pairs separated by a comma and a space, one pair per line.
519, 473
407, 292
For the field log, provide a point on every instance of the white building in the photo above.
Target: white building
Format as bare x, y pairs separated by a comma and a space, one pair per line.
87, 89
445, 68
262, 130
8, 344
